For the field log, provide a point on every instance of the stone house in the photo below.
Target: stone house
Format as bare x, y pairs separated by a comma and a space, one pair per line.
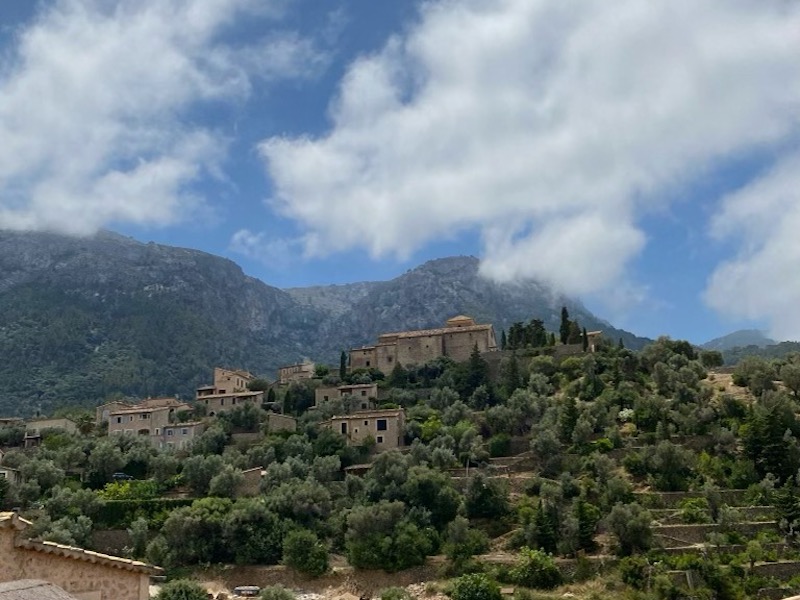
226, 381
366, 393
456, 339
219, 403
103, 412
298, 372
13, 476
158, 423
385, 427
250, 485
84, 574
180, 435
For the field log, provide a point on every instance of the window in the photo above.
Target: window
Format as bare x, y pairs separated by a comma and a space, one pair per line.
355, 430
144, 416
325, 398
379, 439
184, 431
2, 475
158, 431
119, 419
388, 359
363, 392
221, 391
233, 401
366, 422
381, 424
367, 363
170, 432
363, 406
222, 401
344, 428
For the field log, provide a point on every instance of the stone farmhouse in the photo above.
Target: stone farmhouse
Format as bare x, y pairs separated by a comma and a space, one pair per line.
456, 339
84, 574
298, 372
228, 391
155, 418
385, 427
366, 393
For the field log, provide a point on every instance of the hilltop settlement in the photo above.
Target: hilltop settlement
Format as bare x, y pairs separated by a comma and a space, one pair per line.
537, 464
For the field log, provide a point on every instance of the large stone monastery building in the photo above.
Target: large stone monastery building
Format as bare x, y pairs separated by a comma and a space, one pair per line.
456, 339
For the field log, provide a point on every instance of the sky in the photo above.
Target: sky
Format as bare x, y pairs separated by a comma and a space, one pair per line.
643, 156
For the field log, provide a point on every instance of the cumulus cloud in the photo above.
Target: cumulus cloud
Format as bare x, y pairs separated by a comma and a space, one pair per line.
94, 97
273, 252
550, 127
763, 281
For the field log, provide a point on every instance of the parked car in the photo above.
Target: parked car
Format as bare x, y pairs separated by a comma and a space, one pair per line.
121, 477
246, 591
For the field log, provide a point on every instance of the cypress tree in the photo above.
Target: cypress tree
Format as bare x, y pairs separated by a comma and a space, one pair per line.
585, 340
503, 341
565, 323
621, 344
342, 365
546, 526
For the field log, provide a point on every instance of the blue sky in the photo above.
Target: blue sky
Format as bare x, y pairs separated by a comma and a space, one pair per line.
644, 157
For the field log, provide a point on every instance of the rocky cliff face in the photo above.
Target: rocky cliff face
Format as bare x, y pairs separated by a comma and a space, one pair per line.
82, 319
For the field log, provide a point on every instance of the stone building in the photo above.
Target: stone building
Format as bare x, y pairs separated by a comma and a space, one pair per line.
456, 339
158, 422
103, 412
226, 381
219, 403
83, 574
13, 476
298, 372
385, 427
366, 393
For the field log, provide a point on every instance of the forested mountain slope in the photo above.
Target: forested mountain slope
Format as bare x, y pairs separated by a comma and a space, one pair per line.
85, 318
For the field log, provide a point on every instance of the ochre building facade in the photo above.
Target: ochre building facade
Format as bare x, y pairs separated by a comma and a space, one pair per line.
456, 339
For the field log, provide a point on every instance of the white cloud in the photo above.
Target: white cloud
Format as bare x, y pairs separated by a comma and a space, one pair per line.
764, 280
94, 101
551, 126
276, 253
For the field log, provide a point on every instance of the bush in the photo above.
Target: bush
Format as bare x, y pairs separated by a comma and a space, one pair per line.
276, 592
303, 551
536, 569
395, 593
182, 589
500, 445
695, 510
475, 587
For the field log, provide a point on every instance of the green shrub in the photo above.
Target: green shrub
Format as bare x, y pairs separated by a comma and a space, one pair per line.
276, 592
395, 593
695, 510
500, 445
182, 589
303, 551
633, 571
536, 569
119, 514
475, 587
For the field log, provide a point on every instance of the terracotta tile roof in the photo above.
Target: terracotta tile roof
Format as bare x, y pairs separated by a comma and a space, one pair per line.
361, 414
11, 519
32, 589
438, 331
88, 556
231, 395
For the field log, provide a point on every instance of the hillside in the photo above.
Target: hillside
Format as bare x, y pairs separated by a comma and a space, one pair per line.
85, 318
739, 339
431, 293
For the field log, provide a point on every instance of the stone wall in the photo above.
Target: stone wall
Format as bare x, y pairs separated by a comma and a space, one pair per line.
677, 535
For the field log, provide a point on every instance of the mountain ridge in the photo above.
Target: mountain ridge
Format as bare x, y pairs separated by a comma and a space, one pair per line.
82, 319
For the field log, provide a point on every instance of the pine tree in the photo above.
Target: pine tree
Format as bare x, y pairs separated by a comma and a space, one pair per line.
565, 323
